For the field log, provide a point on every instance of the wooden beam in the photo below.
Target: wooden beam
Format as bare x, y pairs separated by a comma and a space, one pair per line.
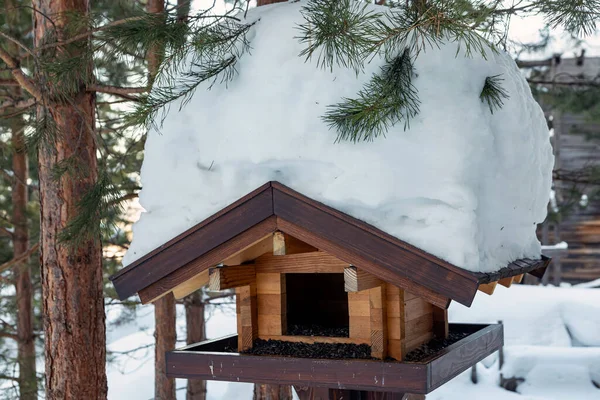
440, 323
488, 288
255, 250
356, 280
247, 320
506, 282
222, 278
396, 324
518, 278
311, 263
190, 286
378, 315
210, 259
360, 315
278, 244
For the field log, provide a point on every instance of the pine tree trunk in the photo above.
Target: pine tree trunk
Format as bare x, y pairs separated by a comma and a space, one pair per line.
196, 332
22, 276
72, 297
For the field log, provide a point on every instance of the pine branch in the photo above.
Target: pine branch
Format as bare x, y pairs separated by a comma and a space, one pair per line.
25, 81
20, 259
389, 97
579, 17
493, 93
116, 90
17, 104
9, 82
341, 31
6, 232
17, 42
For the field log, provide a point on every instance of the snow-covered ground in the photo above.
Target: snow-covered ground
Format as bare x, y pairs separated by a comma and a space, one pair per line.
552, 340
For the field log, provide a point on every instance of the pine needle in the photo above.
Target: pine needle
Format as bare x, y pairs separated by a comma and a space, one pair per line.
340, 31
493, 93
389, 97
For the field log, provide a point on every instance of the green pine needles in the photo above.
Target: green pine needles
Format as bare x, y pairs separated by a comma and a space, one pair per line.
390, 97
493, 93
339, 31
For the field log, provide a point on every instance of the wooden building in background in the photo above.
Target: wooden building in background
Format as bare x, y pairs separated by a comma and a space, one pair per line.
576, 143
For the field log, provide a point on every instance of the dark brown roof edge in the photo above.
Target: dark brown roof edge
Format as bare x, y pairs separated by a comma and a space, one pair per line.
190, 231
536, 268
261, 203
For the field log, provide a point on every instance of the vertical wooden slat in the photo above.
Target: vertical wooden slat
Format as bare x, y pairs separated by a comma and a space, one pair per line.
378, 318
395, 321
247, 316
360, 315
440, 322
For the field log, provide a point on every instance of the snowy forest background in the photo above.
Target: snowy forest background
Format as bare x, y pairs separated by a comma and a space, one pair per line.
552, 333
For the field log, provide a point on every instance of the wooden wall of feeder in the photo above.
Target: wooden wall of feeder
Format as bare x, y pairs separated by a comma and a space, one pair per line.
349, 306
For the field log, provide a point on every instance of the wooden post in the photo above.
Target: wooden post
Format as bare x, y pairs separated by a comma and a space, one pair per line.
246, 316
272, 320
440, 322
395, 322
378, 318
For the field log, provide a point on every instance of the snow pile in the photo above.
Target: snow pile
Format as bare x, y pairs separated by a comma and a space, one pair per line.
551, 336
464, 184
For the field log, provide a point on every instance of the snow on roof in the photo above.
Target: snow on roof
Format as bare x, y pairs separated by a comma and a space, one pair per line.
462, 183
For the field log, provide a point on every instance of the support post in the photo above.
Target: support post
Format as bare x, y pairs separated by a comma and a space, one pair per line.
272, 317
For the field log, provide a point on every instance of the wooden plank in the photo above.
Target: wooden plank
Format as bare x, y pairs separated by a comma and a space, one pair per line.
190, 286
395, 321
356, 279
350, 257
278, 244
311, 263
488, 288
210, 361
344, 374
222, 278
210, 259
195, 243
416, 307
440, 323
418, 326
247, 316
255, 250
506, 282
518, 278
315, 339
271, 288
297, 246
463, 354
413, 343
378, 315
359, 312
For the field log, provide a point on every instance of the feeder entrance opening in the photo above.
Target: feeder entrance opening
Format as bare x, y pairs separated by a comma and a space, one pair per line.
317, 305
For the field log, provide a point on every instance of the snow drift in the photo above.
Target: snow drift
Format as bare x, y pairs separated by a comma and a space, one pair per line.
462, 183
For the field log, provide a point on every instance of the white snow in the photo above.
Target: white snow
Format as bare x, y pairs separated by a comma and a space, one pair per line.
462, 183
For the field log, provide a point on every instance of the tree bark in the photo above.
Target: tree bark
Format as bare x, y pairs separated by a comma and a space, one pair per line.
72, 296
196, 332
22, 275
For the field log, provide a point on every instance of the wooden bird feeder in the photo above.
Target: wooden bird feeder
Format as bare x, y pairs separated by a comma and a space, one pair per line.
307, 274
